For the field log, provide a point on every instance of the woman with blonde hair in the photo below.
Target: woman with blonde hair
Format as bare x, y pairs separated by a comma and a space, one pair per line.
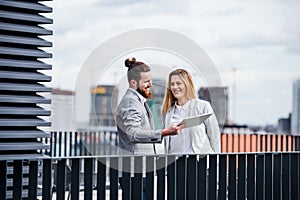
180, 102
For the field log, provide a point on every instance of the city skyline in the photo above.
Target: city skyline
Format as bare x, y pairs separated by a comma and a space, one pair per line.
258, 39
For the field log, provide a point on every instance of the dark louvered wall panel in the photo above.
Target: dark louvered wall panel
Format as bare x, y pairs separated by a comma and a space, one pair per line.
21, 76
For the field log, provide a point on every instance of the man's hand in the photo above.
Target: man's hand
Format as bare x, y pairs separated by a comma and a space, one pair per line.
172, 130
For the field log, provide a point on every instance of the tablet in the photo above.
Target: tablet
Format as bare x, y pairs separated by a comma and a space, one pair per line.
194, 121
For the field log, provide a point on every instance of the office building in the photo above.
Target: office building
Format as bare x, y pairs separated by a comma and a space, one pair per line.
296, 108
103, 103
218, 97
284, 125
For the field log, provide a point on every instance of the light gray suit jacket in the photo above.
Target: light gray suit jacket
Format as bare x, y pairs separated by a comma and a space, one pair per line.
135, 131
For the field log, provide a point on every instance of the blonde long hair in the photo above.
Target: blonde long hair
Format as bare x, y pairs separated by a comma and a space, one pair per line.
169, 99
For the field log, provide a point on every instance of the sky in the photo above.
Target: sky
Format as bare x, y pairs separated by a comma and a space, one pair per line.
254, 45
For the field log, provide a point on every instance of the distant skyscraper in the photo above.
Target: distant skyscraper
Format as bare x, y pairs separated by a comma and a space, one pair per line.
103, 101
284, 125
296, 108
218, 97
155, 103
62, 113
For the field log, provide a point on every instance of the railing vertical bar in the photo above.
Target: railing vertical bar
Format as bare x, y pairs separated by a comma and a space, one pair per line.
65, 135
202, 178
212, 178
95, 143
276, 177
55, 142
232, 177
113, 177
294, 176
75, 178
268, 176
71, 143
149, 177
126, 178
17, 179
260, 177
75, 143
61, 179
33, 178
59, 143
241, 176
3, 179
137, 179
222, 176
47, 179
88, 178
192, 177
171, 177
181, 177
51, 144
285, 176
161, 174
251, 176
101, 178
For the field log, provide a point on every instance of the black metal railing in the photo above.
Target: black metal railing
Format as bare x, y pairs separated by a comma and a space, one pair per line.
215, 176
105, 142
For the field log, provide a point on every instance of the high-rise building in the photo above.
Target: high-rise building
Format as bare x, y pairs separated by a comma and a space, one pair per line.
155, 103
218, 97
296, 108
103, 101
284, 125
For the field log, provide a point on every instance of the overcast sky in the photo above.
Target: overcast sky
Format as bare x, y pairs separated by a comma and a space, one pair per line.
260, 39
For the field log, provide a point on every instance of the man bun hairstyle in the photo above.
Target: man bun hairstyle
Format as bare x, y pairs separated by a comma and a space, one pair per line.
135, 68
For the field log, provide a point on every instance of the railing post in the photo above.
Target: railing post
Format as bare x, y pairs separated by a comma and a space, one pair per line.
33, 178
232, 177
222, 176
3, 179
192, 177
75, 178
149, 177
88, 178
101, 178
212, 178
47, 179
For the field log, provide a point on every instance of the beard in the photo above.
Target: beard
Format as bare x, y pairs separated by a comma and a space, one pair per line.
145, 93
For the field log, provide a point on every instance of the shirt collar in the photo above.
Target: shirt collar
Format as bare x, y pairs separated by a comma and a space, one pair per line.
143, 99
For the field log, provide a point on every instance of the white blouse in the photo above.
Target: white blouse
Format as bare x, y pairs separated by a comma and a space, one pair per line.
181, 143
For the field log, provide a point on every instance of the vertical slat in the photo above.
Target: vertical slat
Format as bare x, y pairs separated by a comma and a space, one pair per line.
65, 135
17, 179
75, 178
149, 177
3, 179
60, 144
277, 177
76, 144
71, 144
161, 172
47, 179
171, 177
222, 176
181, 177
33, 178
268, 176
232, 177
241, 176
101, 178
202, 178
212, 179
61, 179
251, 176
192, 177
126, 178
294, 176
88, 178
285, 176
55, 144
113, 177
137, 179
260, 177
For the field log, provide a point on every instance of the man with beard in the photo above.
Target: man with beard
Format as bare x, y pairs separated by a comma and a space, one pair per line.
134, 119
